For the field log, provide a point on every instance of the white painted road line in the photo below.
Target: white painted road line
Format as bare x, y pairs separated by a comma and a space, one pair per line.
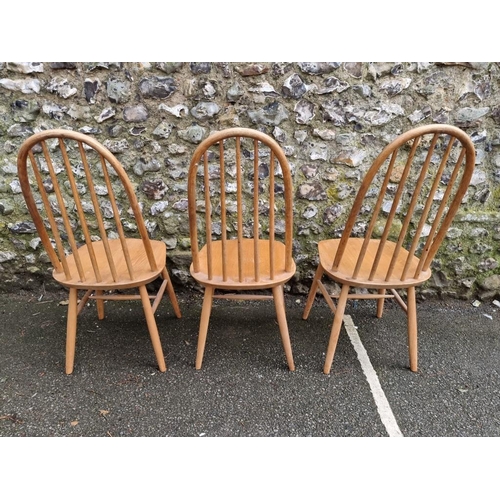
383, 406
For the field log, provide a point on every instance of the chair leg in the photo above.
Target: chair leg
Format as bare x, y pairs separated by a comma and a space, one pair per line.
412, 329
100, 305
153, 329
279, 303
171, 293
71, 330
337, 324
380, 303
205, 318
312, 292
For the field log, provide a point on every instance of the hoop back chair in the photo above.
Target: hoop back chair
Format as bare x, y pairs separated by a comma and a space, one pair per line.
404, 207
82, 223
241, 223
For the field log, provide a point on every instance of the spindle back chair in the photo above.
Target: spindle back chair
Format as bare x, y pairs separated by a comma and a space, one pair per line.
399, 218
83, 205
241, 223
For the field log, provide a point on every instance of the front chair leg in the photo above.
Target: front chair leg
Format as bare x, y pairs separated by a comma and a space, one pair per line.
412, 329
153, 329
71, 330
279, 304
204, 320
337, 324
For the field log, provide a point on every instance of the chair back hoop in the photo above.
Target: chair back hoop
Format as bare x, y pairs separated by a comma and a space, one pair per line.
409, 197
77, 205
239, 182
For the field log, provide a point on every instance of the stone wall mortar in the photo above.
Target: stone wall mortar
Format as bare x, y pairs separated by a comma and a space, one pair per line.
331, 119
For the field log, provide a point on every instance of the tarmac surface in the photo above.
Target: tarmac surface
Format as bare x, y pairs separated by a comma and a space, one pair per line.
244, 387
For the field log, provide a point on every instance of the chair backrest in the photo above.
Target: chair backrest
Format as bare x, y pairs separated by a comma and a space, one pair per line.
240, 188
78, 185
410, 196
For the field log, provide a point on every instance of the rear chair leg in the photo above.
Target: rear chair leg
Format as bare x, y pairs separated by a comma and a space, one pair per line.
380, 303
171, 293
100, 305
312, 292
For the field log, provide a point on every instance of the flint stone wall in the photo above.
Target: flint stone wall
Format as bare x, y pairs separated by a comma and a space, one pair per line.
331, 119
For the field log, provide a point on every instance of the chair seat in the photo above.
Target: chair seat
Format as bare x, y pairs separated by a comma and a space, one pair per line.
248, 280
328, 248
140, 264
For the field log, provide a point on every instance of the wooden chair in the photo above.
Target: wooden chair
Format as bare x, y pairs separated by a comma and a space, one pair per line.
80, 220
239, 184
404, 207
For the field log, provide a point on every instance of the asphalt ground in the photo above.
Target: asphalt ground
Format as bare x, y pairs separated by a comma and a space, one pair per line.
245, 389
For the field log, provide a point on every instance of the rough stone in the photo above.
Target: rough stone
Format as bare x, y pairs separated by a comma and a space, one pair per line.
205, 110
235, 92
332, 84
25, 111
25, 67
163, 130
143, 166
137, 113
90, 89
61, 87
23, 228
394, 87
467, 116
118, 91
362, 90
272, 114
178, 110
154, 190
6, 207
54, 111
312, 191
157, 87
491, 283
314, 68
169, 67
332, 213
63, 65
28, 86
252, 69
294, 87
78, 112
304, 111
194, 134
116, 146
7, 256
355, 69
158, 207
106, 114
198, 68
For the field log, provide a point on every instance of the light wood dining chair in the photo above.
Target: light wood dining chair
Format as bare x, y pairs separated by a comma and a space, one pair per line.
241, 223
399, 218
72, 192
